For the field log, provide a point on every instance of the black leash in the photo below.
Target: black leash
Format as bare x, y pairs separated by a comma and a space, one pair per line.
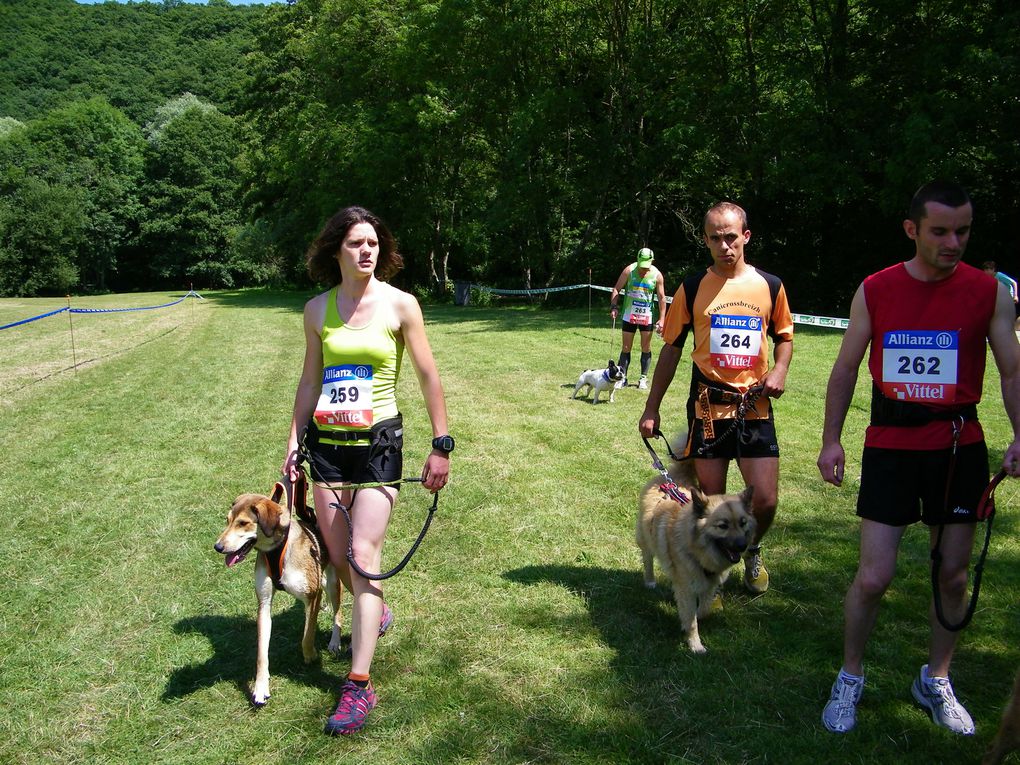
669, 486
985, 512
304, 456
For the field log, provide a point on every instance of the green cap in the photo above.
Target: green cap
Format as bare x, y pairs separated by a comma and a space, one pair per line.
645, 257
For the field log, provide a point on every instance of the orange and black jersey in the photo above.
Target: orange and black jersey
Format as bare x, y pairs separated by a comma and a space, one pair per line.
732, 320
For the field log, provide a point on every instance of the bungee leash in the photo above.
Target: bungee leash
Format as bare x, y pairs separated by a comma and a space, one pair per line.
316, 476
668, 487
985, 512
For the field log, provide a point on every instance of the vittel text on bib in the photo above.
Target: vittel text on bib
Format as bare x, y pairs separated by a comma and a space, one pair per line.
346, 398
920, 365
735, 341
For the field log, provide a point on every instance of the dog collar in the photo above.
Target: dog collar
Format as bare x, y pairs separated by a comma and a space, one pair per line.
605, 374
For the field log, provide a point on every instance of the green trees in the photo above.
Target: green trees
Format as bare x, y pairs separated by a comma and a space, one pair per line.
516, 142
69, 197
190, 196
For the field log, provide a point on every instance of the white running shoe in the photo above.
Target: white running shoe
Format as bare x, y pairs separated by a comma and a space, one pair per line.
840, 713
936, 695
642, 382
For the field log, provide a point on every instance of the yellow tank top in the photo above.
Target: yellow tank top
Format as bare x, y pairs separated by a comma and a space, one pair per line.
360, 366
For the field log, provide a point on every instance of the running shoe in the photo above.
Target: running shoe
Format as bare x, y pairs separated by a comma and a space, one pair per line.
936, 695
840, 713
642, 382
756, 576
716, 605
355, 704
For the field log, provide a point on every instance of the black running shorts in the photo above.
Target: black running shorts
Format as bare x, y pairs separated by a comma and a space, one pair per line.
381, 459
751, 439
632, 328
900, 487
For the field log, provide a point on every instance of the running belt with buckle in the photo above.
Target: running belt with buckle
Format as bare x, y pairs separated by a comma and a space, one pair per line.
905, 414
719, 404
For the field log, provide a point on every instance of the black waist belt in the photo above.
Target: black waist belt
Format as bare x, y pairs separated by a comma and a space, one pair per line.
316, 434
888, 412
720, 396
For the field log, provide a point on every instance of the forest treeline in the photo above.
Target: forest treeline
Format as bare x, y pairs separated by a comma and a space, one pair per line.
511, 142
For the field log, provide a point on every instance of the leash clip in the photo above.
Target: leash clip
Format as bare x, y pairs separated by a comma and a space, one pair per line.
958, 423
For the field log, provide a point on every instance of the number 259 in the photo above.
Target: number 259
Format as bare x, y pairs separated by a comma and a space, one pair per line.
341, 395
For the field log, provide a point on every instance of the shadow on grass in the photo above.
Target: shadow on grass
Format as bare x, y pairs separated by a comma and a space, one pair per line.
233, 640
771, 659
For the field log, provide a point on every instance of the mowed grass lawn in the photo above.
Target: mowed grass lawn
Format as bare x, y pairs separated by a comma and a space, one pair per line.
523, 632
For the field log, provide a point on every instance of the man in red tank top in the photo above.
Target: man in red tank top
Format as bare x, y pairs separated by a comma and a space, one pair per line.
926, 322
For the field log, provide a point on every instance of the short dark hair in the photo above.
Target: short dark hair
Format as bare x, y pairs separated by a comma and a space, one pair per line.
989, 265
945, 193
725, 207
321, 256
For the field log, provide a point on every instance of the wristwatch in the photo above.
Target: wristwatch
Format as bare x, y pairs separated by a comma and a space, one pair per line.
443, 443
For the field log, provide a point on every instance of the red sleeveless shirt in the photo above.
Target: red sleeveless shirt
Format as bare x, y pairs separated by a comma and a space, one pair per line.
928, 346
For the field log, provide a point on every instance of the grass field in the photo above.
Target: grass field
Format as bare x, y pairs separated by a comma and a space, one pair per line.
523, 633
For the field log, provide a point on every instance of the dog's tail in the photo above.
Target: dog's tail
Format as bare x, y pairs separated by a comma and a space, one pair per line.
682, 470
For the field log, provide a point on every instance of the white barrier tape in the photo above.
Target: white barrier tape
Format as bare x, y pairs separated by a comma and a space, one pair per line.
798, 318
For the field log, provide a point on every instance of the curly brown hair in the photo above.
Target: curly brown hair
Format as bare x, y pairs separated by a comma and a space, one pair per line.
321, 256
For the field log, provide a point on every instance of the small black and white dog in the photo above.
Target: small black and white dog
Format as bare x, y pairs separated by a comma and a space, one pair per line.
599, 380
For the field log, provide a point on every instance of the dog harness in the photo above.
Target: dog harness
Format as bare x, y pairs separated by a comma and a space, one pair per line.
297, 503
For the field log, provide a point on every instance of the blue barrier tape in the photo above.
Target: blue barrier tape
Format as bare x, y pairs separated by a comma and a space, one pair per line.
121, 310
192, 293
34, 318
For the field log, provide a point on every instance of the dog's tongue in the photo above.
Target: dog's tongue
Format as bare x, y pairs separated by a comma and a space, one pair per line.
232, 559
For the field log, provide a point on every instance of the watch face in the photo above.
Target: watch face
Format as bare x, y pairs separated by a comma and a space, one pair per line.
443, 443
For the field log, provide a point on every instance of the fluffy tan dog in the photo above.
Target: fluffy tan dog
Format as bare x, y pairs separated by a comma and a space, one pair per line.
696, 543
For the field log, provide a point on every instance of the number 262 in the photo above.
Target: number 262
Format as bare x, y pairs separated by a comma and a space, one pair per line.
919, 365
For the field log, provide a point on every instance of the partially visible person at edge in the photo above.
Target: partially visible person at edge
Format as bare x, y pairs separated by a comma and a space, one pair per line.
926, 321
990, 268
636, 286
345, 415
733, 309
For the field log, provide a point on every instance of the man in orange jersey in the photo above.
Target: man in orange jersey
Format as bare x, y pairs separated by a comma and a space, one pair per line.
733, 310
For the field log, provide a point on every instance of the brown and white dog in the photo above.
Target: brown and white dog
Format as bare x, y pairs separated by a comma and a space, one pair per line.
696, 543
290, 557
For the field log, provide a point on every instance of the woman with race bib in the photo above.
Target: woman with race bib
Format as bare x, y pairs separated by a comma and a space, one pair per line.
345, 414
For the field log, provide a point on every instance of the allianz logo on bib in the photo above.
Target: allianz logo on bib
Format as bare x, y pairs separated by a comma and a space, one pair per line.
921, 339
750, 323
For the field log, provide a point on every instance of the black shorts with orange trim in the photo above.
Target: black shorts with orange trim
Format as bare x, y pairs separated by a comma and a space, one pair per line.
750, 439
